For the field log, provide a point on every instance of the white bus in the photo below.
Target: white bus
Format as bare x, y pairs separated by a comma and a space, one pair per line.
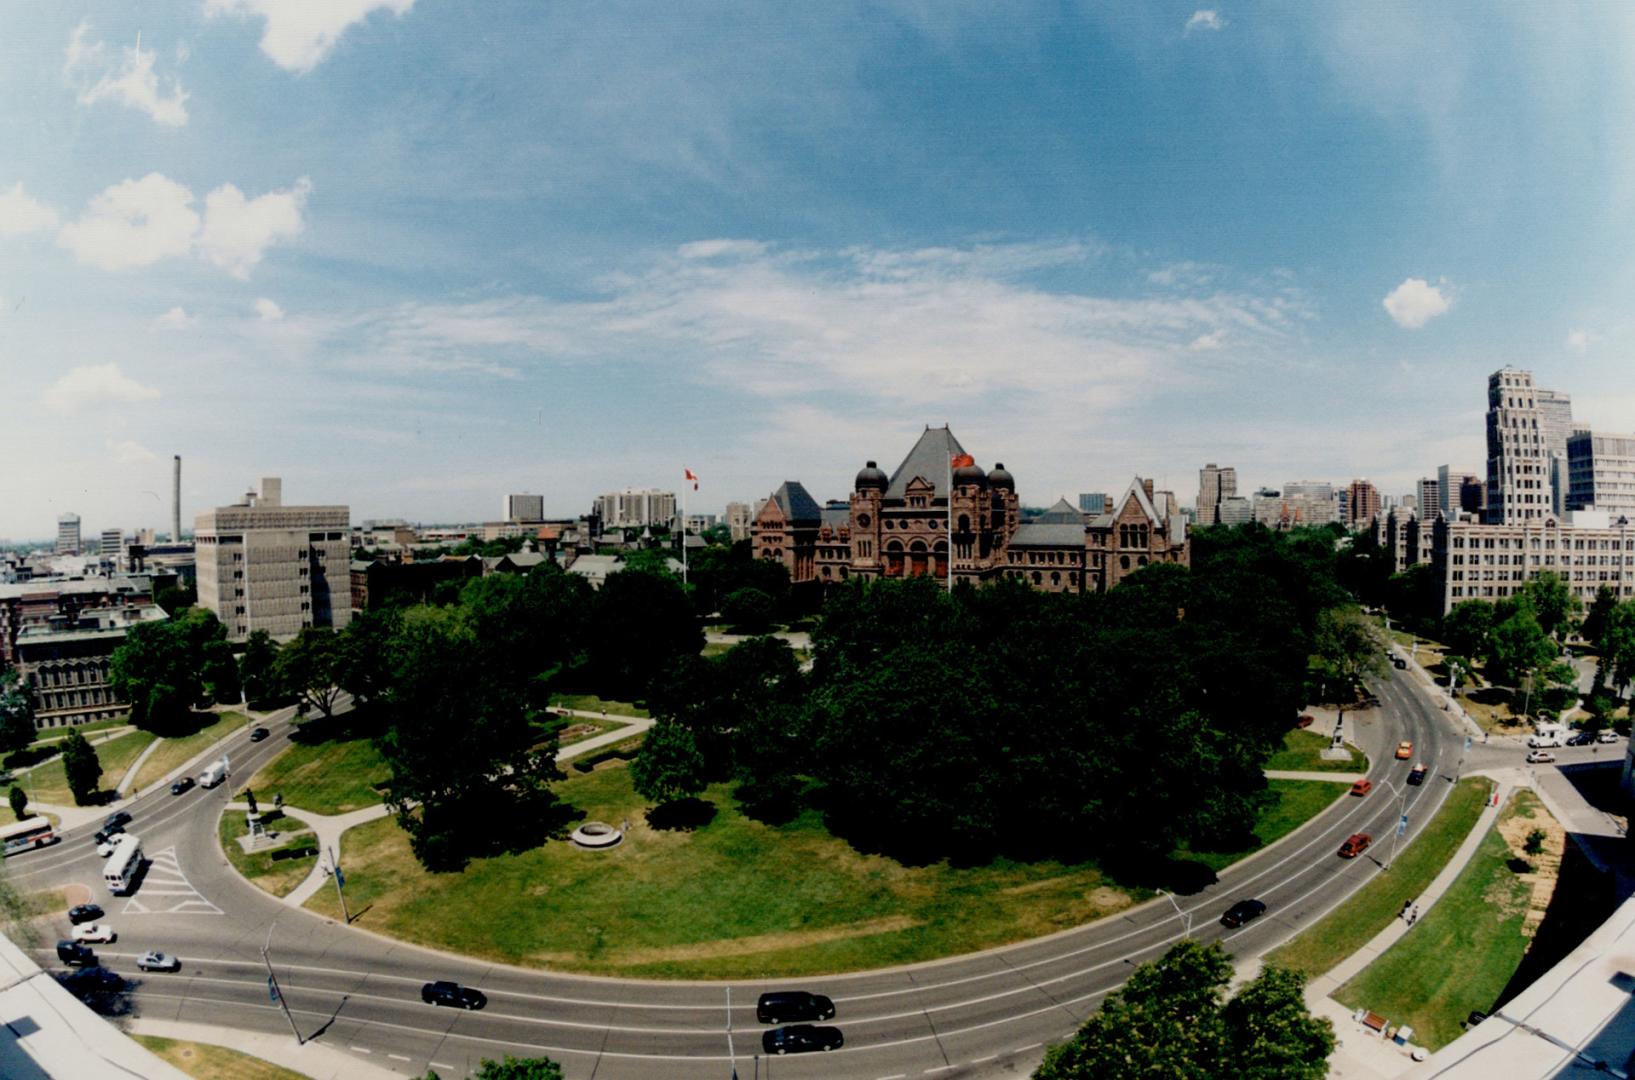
25, 835
123, 864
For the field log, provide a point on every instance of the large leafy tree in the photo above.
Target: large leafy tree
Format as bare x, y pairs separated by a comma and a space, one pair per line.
1594, 625
16, 711
81, 767
669, 766
163, 668
639, 623
1271, 1035
1347, 648
1554, 603
256, 669
310, 667
1468, 628
512, 1069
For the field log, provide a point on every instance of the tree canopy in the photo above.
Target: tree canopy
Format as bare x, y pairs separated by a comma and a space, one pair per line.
16, 711
81, 766
165, 668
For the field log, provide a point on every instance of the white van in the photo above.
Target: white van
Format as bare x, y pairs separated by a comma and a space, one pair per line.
214, 773
1548, 735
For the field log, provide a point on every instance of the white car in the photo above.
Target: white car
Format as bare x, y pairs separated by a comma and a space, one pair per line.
106, 848
97, 932
1606, 735
158, 961
1539, 757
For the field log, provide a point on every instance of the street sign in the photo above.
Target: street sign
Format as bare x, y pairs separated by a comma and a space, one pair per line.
272, 989
340, 878
1402, 826
1467, 743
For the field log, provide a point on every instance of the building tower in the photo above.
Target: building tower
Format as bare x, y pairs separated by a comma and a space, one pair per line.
1215, 486
1362, 503
68, 540
1519, 455
176, 501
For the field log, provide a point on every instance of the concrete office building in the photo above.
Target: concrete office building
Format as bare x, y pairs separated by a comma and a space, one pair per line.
1601, 473
113, 541
1094, 502
740, 519
633, 508
68, 541
266, 566
1215, 486
1320, 490
1454, 488
524, 508
1492, 562
1235, 510
1556, 427
1362, 503
1428, 497
1521, 441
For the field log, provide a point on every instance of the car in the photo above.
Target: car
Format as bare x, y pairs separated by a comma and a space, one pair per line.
101, 933
1355, 845
1580, 738
1362, 787
1399, 663
105, 848
1539, 757
1606, 736
91, 980
1405, 750
84, 913
799, 1038
116, 822
453, 995
1306, 720
1416, 775
74, 954
1242, 912
780, 1006
258, 734
158, 961
182, 785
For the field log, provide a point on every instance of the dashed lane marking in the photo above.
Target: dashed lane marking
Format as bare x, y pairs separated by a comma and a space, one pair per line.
165, 890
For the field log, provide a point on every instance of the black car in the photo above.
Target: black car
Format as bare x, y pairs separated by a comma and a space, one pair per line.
84, 913
799, 1038
1580, 738
91, 980
116, 822
258, 734
1416, 775
453, 995
1399, 663
75, 954
781, 1006
1241, 912
184, 784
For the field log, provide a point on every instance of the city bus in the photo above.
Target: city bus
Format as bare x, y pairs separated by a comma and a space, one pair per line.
123, 864
25, 835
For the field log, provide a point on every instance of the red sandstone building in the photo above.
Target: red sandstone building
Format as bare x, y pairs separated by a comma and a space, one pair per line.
899, 526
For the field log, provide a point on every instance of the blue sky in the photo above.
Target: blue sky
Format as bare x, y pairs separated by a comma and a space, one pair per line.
413, 254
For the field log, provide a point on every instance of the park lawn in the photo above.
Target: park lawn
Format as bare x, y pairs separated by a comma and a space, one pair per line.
592, 703
1370, 909
1302, 752
277, 876
1298, 801
580, 728
50, 783
214, 1062
52, 735
713, 649
173, 752
331, 777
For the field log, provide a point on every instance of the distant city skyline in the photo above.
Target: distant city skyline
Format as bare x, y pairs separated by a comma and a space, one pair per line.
413, 256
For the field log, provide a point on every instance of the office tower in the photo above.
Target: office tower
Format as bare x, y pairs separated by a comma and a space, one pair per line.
1215, 486
739, 520
1362, 503
524, 508
1518, 456
1428, 495
633, 508
1601, 473
68, 541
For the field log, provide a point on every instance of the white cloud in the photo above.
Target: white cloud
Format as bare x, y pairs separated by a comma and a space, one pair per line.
268, 310
299, 35
133, 83
1416, 302
712, 249
94, 385
1205, 19
176, 318
237, 231
130, 452
1579, 340
133, 223
1208, 342
21, 214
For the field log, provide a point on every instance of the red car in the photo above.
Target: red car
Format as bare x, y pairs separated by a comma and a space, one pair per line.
1362, 787
1355, 845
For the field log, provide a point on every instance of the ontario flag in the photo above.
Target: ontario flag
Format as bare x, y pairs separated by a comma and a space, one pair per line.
960, 461
691, 476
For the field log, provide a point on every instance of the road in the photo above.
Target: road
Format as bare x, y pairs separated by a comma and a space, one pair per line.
970, 1016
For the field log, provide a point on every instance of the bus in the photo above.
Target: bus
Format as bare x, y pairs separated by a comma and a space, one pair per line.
123, 864
25, 835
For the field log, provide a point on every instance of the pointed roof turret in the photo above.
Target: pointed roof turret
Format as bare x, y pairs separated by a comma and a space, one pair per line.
1063, 513
928, 460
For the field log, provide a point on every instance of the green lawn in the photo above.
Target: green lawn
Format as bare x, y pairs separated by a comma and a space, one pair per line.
331, 777
172, 752
592, 703
50, 784
277, 876
1350, 926
1298, 801
214, 1062
734, 899
580, 728
51, 735
1461, 954
1301, 753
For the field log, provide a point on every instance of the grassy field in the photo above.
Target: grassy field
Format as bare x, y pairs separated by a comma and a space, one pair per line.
52, 735
1301, 752
581, 728
735, 898
50, 784
592, 703
172, 752
277, 876
1461, 955
327, 778
215, 1062
1298, 801
1350, 926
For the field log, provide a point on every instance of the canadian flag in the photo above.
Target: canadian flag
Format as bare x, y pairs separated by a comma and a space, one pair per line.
960, 461
691, 476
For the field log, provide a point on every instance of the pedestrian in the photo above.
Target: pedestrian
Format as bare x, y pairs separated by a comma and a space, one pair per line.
1413, 916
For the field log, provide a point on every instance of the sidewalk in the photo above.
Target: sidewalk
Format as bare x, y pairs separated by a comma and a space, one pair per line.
636, 725
328, 829
315, 1059
1329, 777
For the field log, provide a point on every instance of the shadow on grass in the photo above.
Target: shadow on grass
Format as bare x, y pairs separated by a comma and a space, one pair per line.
1584, 898
361, 723
682, 815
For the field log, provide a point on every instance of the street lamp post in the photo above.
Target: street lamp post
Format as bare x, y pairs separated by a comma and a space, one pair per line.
1184, 916
1401, 825
272, 986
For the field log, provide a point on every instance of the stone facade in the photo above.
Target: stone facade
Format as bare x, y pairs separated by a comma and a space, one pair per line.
1492, 562
66, 663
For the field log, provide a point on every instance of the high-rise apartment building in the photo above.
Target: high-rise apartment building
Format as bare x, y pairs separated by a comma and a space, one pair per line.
1362, 503
68, 541
1308, 489
1428, 496
739, 520
525, 508
266, 566
1518, 453
632, 508
1601, 473
1215, 486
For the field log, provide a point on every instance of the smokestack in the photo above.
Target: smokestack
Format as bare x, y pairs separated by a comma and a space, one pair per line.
176, 503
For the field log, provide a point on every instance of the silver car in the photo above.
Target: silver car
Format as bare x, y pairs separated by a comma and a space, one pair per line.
158, 961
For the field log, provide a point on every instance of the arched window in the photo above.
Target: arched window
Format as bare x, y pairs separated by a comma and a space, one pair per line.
1037, 577
1124, 562
1141, 561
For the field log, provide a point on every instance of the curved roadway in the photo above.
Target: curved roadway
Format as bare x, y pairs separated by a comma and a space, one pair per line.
968, 1016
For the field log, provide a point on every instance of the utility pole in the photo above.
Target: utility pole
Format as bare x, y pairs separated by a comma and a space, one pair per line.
340, 885
272, 986
1402, 827
732, 1055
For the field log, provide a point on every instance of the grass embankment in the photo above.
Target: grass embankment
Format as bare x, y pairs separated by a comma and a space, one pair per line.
214, 1062
173, 752
1465, 950
592, 703
116, 755
57, 734
1369, 910
1298, 801
735, 898
1302, 752
274, 869
331, 777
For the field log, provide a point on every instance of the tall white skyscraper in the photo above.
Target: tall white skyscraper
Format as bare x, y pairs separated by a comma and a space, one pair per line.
1520, 450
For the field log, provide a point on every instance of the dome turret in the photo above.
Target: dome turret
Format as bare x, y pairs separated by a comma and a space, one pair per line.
872, 477
969, 474
999, 478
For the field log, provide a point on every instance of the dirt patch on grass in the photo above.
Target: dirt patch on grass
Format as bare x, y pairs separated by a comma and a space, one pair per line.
758, 943
1541, 880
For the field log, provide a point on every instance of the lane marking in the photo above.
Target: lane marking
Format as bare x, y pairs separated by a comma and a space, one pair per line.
360, 1049
164, 872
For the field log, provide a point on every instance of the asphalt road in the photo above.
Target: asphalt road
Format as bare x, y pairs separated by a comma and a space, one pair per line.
969, 1016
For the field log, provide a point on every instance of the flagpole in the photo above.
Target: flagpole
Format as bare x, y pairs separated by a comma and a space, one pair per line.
684, 531
950, 523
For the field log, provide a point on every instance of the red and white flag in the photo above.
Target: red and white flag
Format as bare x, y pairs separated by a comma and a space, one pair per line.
691, 476
960, 461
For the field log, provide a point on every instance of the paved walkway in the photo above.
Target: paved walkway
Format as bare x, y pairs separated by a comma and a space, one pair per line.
314, 1059
1329, 777
634, 726
129, 778
327, 829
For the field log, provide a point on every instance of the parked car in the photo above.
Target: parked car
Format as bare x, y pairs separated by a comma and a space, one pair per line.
1580, 738
158, 961
1606, 735
1416, 775
1399, 663
781, 1006
84, 913
799, 1038
258, 734
1306, 720
75, 954
453, 995
182, 785
116, 822
1241, 912
98, 932
1355, 845
1362, 787
105, 847
1405, 750
1539, 757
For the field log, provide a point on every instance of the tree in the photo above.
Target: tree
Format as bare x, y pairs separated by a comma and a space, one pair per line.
19, 802
1595, 619
256, 670
81, 766
1553, 602
163, 669
749, 610
16, 711
669, 766
1468, 628
1518, 647
309, 666
1347, 648
511, 1069
638, 623
1271, 1035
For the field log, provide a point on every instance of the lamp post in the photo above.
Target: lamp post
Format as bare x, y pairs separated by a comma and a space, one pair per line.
1401, 825
1184, 916
272, 986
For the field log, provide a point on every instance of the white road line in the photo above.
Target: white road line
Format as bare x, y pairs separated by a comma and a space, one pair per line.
982, 1060
360, 1049
396, 1057
436, 1064
1029, 1046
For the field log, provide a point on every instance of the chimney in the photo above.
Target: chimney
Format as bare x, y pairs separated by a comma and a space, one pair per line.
1146, 485
176, 502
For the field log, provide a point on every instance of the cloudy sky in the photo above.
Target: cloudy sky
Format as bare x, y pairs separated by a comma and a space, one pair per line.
414, 254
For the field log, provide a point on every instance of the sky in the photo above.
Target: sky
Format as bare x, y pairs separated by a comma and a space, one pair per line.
412, 255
